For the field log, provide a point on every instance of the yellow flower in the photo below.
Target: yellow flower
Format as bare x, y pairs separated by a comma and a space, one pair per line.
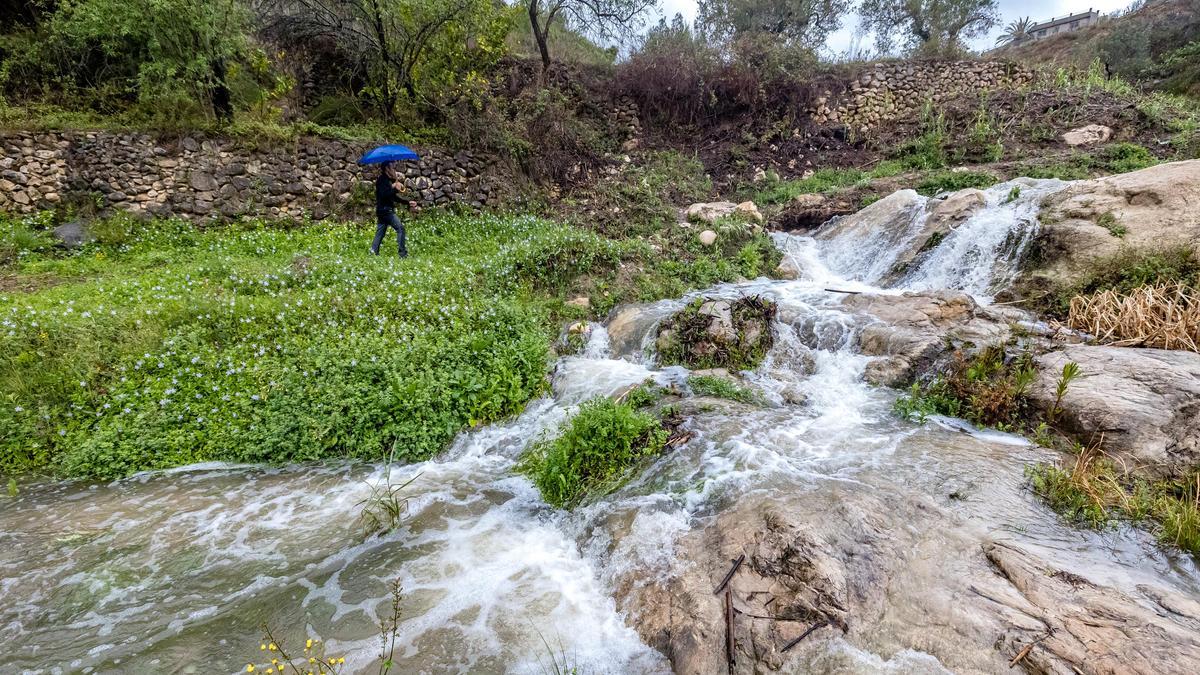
342, 660
262, 647
270, 670
308, 645
311, 660
249, 667
272, 646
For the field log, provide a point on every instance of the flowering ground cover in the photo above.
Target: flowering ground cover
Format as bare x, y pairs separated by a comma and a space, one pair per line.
164, 344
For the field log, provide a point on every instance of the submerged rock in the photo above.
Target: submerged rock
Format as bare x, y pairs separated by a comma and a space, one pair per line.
1141, 406
714, 333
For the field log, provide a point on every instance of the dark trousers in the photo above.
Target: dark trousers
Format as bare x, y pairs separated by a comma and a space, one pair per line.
388, 219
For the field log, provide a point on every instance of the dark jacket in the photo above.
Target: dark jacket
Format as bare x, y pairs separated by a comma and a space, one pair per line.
386, 195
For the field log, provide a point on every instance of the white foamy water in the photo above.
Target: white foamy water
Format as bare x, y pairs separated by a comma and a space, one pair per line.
165, 571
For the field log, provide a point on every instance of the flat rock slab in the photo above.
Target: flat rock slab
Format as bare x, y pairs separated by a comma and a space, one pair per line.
1092, 629
1142, 406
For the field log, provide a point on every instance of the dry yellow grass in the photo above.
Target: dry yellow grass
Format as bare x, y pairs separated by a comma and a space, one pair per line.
1166, 316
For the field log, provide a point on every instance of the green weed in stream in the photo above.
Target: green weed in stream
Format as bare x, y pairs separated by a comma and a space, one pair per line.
594, 453
1091, 491
720, 387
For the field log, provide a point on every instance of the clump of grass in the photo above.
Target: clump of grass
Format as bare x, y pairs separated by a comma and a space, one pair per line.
1163, 317
1108, 220
1092, 492
720, 387
986, 389
952, 181
595, 453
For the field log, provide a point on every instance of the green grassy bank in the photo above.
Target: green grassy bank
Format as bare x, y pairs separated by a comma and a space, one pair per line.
164, 344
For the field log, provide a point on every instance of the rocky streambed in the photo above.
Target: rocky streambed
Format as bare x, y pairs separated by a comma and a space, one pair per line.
858, 541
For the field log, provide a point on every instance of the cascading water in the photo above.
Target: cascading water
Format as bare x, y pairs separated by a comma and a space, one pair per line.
177, 571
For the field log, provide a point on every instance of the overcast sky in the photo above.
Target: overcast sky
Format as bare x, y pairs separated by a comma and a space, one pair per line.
1038, 10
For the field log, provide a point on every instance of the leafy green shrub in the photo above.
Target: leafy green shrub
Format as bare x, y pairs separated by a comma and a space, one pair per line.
985, 389
951, 181
595, 453
928, 150
1125, 157
21, 236
720, 387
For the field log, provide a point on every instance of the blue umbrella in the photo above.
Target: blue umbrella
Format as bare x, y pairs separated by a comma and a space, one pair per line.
388, 153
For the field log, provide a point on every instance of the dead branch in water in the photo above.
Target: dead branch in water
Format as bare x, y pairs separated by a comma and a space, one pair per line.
793, 643
729, 575
729, 629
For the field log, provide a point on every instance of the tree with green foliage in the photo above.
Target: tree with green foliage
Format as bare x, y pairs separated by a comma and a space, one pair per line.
1015, 32
926, 26
796, 22
599, 19
159, 52
400, 45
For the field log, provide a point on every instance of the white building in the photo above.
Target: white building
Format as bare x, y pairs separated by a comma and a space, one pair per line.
1063, 24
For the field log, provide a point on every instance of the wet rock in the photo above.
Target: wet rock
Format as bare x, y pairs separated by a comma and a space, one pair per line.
716, 333
1157, 207
788, 268
915, 331
1091, 134
1088, 628
73, 234
1142, 406
629, 326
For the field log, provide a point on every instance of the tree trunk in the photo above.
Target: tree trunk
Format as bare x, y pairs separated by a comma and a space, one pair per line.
540, 35
222, 101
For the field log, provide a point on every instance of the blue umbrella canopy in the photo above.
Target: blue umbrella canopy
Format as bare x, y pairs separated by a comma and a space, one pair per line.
388, 153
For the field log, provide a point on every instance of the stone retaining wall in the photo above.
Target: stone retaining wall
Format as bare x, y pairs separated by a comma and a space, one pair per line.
203, 178
887, 91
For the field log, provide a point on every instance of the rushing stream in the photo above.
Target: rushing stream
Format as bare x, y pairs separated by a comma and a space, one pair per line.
174, 572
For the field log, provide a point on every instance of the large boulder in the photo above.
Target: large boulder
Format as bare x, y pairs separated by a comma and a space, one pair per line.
1148, 209
944, 216
913, 332
1141, 406
866, 244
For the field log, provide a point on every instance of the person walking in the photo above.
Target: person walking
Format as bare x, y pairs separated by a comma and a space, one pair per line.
386, 195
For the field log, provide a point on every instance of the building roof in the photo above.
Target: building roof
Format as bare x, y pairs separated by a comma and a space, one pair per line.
1090, 14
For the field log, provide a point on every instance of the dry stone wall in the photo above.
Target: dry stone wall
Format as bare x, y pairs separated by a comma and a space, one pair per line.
210, 178
888, 91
